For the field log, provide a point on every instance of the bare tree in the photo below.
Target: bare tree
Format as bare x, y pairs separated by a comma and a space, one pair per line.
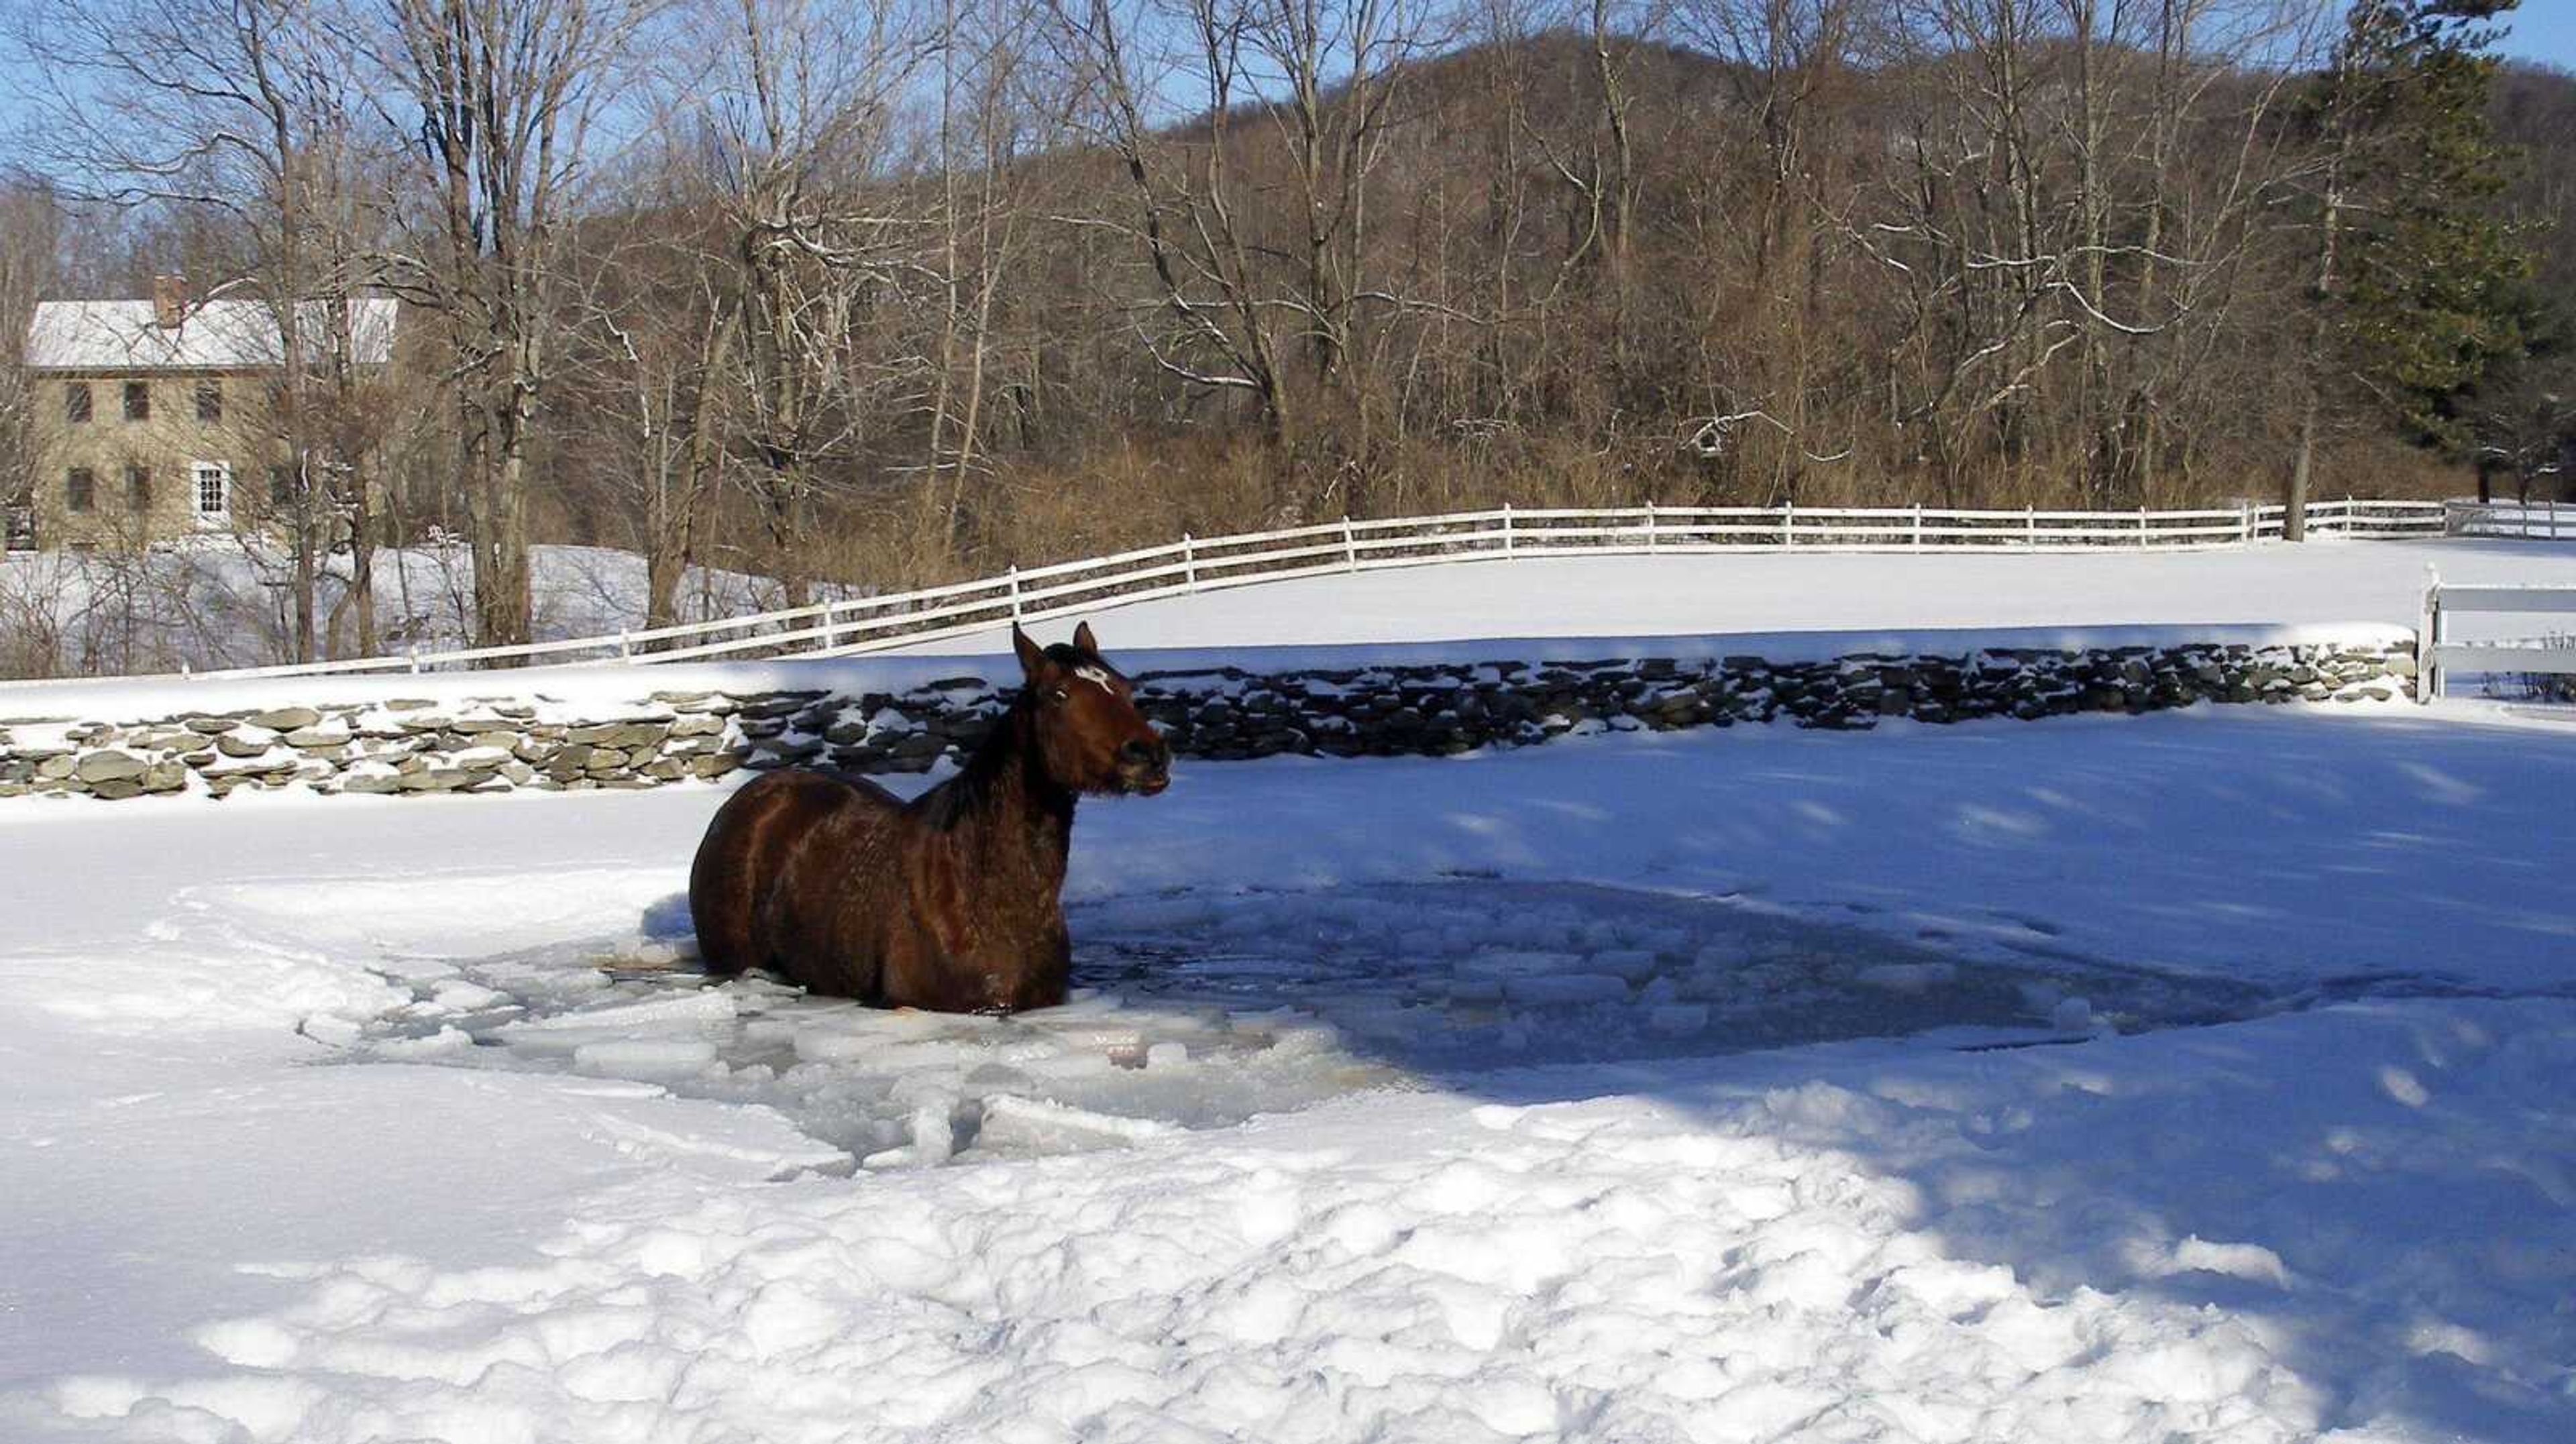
247, 111
796, 116
505, 97
29, 230
1296, 98
997, 110
653, 366
1763, 347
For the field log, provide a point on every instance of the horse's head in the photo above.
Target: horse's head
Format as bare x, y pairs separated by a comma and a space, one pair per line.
1089, 733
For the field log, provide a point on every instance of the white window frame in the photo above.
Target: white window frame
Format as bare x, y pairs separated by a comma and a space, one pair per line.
220, 474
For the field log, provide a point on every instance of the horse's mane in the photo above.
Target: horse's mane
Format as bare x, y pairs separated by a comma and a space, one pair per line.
1005, 755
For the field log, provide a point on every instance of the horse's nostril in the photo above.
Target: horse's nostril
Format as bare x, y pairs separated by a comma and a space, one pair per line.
1138, 752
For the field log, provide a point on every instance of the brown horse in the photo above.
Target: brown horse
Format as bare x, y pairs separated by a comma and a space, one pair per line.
950, 902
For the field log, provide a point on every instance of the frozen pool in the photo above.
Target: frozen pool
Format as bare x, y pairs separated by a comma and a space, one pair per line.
1199, 1009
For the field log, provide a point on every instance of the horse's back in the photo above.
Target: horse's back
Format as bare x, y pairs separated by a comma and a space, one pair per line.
748, 849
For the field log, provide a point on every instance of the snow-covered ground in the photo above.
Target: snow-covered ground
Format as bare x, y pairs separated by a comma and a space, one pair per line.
2327, 580
1784, 608
216, 605
218, 602
2198, 1076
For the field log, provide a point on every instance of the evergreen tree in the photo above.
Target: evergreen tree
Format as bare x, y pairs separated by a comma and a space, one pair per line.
2416, 289
2519, 420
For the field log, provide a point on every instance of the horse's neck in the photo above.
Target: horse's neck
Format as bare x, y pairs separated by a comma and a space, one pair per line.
1007, 810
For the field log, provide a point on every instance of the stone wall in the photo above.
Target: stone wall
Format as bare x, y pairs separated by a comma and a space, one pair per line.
419, 745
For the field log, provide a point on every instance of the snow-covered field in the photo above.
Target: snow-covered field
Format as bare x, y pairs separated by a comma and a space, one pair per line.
2198, 1076
218, 602
2327, 580
1814, 605
216, 605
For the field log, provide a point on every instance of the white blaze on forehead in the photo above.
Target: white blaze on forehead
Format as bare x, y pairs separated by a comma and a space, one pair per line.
1096, 675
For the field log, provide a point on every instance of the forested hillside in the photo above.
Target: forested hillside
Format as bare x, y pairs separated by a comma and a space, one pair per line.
832, 293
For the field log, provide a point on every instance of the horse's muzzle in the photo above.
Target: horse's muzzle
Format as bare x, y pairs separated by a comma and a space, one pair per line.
1144, 767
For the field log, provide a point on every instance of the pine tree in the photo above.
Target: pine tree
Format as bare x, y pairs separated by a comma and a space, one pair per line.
2519, 419
2415, 289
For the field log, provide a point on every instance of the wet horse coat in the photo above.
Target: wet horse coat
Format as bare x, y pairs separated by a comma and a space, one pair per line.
951, 902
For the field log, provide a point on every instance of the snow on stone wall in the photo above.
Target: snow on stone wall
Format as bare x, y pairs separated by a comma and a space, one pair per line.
504, 742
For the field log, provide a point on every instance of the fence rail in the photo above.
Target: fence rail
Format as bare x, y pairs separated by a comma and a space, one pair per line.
1199, 564
2437, 655
2537, 520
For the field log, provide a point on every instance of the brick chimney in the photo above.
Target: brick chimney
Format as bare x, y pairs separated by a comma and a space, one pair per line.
169, 301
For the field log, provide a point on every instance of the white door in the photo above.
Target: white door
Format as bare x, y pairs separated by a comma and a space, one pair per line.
210, 492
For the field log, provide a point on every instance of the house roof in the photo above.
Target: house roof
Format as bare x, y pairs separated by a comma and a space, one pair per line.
216, 335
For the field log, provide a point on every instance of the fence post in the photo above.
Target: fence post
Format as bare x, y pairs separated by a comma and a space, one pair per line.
1189, 562
1013, 576
415, 658
831, 625
1918, 525
1350, 547
2245, 524
2428, 638
625, 646
2142, 527
1789, 525
1650, 526
2030, 528
1507, 528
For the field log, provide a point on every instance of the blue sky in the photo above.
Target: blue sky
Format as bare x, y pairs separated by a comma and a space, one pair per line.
2539, 30
2544, 30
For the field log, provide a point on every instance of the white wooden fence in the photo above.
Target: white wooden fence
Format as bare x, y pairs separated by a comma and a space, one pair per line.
2539, 520
1198, 564
2436, 655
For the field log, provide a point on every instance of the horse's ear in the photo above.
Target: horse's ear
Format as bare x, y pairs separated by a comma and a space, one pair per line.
1082, 638
1032, 656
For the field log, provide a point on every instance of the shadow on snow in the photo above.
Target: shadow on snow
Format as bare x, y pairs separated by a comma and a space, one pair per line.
2084, 1122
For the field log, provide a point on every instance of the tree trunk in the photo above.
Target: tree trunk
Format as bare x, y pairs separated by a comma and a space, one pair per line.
306, 575
666, 564
358, 603
2294, 519
502, 602
362, 563
1619, 249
